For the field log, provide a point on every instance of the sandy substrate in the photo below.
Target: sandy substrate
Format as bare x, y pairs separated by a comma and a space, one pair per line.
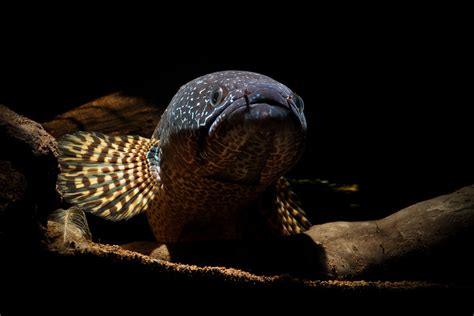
114, 254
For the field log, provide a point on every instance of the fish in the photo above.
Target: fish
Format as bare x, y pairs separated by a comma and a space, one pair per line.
212, 170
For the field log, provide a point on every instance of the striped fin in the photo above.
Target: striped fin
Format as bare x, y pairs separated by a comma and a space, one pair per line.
113, 177
286, 216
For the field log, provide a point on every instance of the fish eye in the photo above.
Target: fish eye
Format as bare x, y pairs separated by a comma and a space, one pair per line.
298, 102
216, 96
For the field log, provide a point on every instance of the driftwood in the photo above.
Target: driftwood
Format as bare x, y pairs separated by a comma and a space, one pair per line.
427, 239
115, 114
28, 174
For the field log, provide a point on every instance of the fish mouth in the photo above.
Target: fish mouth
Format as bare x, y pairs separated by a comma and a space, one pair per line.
256, 108
252, 139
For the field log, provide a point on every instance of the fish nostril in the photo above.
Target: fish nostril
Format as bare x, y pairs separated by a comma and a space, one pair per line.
247, 101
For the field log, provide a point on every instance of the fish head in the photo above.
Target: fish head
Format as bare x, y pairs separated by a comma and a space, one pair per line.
234, 127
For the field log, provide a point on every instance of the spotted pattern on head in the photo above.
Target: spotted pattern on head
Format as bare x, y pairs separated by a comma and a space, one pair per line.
190, 108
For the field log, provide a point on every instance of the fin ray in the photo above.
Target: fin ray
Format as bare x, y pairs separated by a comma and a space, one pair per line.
286, 216
109, 176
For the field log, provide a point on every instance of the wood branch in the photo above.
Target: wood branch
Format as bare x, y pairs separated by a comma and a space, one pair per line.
114, 114
28, 171
32, 152
431, 239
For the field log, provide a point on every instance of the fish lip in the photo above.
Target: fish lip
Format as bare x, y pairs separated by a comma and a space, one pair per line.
213, 125
229, 111
209, 129
248, 101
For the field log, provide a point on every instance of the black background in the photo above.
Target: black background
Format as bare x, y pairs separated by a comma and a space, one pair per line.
387, 90
387, 98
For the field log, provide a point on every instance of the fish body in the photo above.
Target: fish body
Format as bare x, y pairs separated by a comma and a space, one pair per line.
211, 170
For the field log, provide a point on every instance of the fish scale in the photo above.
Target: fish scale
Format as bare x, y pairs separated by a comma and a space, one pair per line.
212, 170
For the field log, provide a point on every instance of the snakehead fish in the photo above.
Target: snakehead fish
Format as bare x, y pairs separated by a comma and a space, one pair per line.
212, 170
